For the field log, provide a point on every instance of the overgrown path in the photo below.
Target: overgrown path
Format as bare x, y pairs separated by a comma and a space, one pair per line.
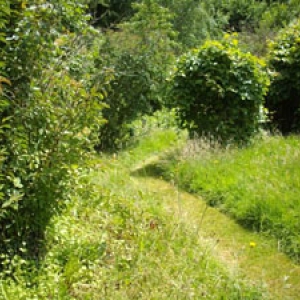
244, 253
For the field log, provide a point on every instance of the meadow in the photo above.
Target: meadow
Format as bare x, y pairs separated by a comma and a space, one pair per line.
114, 240
119, 236
258, 185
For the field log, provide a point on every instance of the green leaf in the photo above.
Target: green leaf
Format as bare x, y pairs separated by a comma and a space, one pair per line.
13, 200
17, 182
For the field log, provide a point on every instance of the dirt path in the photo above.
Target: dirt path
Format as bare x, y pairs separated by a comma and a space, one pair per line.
245, 253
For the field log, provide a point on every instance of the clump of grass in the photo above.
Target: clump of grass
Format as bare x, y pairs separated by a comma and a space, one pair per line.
114, 241
258, 185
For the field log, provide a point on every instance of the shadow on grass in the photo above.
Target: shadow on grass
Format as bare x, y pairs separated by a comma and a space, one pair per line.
150, 170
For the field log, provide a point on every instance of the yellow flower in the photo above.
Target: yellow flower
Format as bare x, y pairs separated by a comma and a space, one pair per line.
252, 244
235, 42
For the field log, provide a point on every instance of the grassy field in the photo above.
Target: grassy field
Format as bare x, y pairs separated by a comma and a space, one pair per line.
114, 241
120, 238
259, 186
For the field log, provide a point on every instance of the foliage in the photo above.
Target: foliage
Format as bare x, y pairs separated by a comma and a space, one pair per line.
283, 98
159, 120
30, 35
127, 97
49, 116
275, 16
152, 25
280, 13
219, 91
138, 70
258, 186
242, 13
195, 21
109, 13
156, 41
4, 17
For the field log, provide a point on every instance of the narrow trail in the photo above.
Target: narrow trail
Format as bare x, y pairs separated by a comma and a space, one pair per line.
247, 254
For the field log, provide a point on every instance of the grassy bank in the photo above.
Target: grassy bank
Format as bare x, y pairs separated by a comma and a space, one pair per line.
259, 185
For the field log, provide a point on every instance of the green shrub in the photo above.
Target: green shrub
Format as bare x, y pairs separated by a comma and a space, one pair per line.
219, 91
49, 116
127, 96
283, 100
138, 70
45, 140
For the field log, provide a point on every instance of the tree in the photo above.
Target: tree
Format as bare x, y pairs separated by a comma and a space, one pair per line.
195, 21
109, 13
283, 100
138, 69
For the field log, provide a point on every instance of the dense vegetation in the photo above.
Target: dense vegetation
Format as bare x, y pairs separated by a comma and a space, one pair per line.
284, 95
81, 77
50, 113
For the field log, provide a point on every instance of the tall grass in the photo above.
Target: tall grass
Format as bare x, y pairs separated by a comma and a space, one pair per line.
114, 241
259, 185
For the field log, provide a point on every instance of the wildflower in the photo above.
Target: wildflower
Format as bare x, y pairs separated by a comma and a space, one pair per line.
252, 244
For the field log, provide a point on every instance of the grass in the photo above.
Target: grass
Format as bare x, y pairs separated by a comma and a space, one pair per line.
126, 237
259, 186
116, 241
245, 254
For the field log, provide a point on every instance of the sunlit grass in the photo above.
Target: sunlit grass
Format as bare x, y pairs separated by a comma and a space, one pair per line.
258, 185
115, 241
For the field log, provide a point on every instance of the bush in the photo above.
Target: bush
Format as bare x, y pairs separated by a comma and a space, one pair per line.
49, 116
283, 100
219, 91
127, 97
138, 70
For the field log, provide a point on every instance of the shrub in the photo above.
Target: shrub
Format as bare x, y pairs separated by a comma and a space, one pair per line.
219, 91
45, 141
49, 116
127, 97
283, 100
138, 70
